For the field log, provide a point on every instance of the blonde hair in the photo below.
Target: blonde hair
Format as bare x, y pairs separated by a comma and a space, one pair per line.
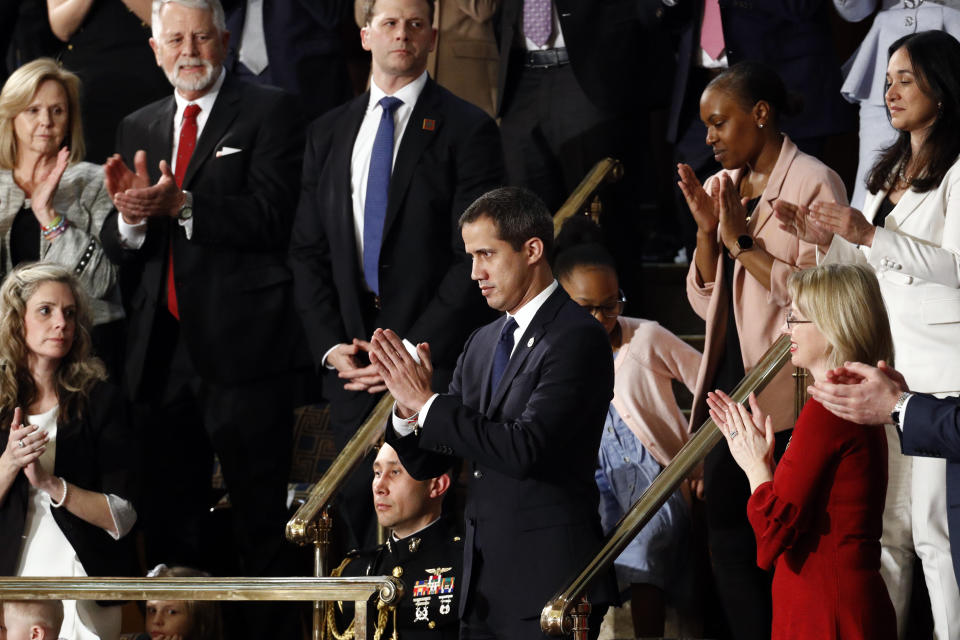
17, 94
844, 302
45, 613
79, 370
206, 623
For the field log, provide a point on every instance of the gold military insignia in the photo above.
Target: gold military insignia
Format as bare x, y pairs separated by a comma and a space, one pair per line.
438, 570
397, 572
414, 545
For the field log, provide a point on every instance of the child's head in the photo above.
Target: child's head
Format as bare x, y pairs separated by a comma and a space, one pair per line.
191, 620
33, 620
585, 269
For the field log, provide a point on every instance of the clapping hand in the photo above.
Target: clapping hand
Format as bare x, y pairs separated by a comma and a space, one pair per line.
843, 220
407, 379
702, 205
797, 220
733, 212
25, 443
41, 200
749, 435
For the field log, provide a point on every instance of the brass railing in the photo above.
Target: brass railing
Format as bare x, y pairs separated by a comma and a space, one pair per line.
359, 590
584, 198
312, 523
558, 617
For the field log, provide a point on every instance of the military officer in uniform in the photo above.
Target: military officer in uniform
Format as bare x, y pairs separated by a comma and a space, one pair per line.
424, 550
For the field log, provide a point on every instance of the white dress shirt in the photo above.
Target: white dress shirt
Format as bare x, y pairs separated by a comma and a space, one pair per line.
133, 235
363, 149
523, 317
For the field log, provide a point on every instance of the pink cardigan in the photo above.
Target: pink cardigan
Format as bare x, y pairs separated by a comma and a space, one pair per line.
649, 358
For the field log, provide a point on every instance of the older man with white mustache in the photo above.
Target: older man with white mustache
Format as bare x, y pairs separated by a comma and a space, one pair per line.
201, 232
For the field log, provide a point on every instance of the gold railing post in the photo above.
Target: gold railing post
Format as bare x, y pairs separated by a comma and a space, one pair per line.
583, 198
320, 530
555, 618
581, 619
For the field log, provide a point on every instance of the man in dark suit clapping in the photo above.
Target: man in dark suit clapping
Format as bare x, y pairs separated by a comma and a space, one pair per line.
201, 237
525, 409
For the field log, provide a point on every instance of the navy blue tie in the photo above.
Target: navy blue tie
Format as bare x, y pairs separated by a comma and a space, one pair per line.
501, 357
378, 189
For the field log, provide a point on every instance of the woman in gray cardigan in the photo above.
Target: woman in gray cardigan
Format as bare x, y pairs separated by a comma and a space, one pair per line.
51, 205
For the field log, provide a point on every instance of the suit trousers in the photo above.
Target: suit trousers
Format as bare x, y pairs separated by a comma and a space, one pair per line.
915, 525
186, 421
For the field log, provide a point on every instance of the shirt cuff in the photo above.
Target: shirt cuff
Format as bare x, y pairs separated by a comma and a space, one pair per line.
187, 227
131, 235
123, 514
405, 426
323, 361
903, 412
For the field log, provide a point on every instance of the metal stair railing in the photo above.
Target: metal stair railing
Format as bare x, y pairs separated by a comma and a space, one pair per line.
359, 590
567, 611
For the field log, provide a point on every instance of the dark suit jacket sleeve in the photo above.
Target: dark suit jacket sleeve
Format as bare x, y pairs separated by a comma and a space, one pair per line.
573, 378
314, 293
259, 215
931, 427
479, 169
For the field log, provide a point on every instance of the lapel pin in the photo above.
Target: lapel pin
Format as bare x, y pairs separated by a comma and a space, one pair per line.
429, 124
529, 343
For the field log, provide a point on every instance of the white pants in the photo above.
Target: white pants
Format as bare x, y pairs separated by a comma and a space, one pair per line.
915, 521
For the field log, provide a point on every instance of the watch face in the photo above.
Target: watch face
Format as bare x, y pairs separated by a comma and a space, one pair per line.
745, 242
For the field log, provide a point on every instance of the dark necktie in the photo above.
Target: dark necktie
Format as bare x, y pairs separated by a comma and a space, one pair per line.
501, 356
378, 189
188, 140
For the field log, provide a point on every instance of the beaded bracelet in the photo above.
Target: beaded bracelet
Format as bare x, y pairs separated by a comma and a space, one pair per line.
56, 229
57, 505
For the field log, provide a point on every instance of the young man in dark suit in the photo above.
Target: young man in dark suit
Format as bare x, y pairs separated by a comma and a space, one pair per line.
201, 237
525, 409
375, 243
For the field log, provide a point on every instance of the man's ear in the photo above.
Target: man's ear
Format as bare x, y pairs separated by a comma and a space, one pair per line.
439, 485
38, 633
534, 250
156, 51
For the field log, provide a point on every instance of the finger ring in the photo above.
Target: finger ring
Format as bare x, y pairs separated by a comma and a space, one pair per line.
733, 434
20, 443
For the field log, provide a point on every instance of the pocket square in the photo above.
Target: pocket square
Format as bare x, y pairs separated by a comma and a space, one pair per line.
226, 151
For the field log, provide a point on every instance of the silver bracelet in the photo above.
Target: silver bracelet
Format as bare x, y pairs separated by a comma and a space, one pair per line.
57, 505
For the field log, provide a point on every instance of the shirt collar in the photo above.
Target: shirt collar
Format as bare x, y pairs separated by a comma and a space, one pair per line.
393, 534
409, 93
205, 102
524, 315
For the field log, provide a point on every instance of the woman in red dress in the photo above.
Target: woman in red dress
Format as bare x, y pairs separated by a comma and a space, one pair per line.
818, 515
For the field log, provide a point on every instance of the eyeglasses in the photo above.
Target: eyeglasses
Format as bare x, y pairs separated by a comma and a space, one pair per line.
790, 320
611, 310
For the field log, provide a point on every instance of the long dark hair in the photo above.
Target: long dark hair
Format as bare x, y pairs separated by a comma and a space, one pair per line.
935, 56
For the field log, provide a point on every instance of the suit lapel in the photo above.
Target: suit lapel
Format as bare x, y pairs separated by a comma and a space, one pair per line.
909, 202
225, 110
530, 338
341, 153
788, 152
160, 139
422, 129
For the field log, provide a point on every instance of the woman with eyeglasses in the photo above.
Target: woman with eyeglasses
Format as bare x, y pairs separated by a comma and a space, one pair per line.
644, 428
737, 284
909, 233
817, 514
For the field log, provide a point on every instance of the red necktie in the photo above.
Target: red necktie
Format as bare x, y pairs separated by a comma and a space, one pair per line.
188, 140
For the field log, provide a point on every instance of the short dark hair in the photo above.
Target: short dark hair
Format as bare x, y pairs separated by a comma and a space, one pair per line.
580, 244
517, 213
750, 81
368, 7
935, 56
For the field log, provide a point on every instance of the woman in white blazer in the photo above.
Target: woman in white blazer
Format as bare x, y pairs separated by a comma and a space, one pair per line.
909, 231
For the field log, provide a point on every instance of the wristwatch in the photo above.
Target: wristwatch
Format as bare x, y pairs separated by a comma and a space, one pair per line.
186, 211
897, 412
744, 243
